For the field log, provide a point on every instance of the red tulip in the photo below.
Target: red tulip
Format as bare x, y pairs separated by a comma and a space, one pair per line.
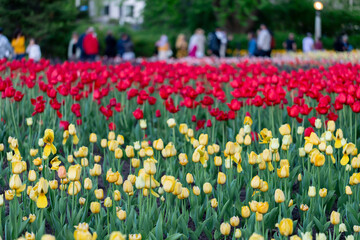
138, 114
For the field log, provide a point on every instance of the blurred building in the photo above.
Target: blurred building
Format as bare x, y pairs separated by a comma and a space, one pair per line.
121, 11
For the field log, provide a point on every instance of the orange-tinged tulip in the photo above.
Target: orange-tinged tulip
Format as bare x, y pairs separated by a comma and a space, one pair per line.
286, 227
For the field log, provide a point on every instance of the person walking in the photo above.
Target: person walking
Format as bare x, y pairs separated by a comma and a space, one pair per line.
181, 46
307, 43
74, 51
214, 43
197, 44
163, 47
221, 35
91, 44
263, 42
110, 42
6, 50
18, 43
33, 50
251, 44
290, 44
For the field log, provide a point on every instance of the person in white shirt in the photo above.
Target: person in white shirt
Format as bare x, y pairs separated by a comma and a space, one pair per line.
33, 50
307, 43
263, 42
197, 44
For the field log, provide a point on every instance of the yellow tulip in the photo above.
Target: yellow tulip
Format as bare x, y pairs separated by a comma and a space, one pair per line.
82, 232
128, 187
121, 214
256, 236
214, 203
149, 166
74, 172
118, 153
312, 191
335, 218
99, 193
107, 202
279, 196
88, 184
32, 176
196, 190
49, 139
262, 207
117, 236
245, 211
237, 233
234, 221
117, 195
74, 188
286, 227
323, 192
82, 201
15, 182
47, 237
217, 161
207, 188
158, 144
189, 178
225, 229
221, 179
285, 129
95, 207
53, 184
183, 128
171, 122
96, 170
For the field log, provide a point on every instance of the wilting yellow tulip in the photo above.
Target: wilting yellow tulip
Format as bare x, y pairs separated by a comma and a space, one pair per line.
335, 218
286, 227
49, 139
225, 228
95, 207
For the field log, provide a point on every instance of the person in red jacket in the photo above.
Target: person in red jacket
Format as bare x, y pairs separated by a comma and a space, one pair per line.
91, 44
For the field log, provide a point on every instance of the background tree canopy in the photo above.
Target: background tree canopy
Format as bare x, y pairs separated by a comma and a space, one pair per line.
51, 22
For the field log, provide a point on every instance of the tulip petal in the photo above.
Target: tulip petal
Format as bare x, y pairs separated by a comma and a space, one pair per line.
333, 159
338, 143
270, 167
344, 160
75, 140
154, 193
47, 150
53, 149
42, 201
239, 168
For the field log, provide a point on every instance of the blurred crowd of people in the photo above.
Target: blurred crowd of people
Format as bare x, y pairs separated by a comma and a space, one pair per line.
16, 49
85, 47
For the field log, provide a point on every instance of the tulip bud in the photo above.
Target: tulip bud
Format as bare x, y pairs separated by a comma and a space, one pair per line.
356, 228
312, 191
183, 128
189, 178
121, 214
135, 162
217, 161
318, 123
143, 124
88, 184
53, 184
207, 188
214, 203
93, 138
203, 139
99, 194
171, 122
225, 229
196, 190
335, 218
32, 176
245, 211
221, 178
128, 187
82, 201
111, 135
95, 207
103, 143
259, 216
348, 190
117, 195
323, 192
255, 182
300, 130
279, 196
235, 221
41, 142
237, 233
118, 153
108, 202
331, 126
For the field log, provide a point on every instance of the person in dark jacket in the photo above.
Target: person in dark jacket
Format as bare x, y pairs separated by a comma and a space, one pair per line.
125, 47
110, 42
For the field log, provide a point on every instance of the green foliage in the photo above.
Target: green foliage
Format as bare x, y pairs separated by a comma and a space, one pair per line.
50, 22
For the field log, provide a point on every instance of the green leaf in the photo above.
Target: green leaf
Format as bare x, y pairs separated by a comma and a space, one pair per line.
175, 236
